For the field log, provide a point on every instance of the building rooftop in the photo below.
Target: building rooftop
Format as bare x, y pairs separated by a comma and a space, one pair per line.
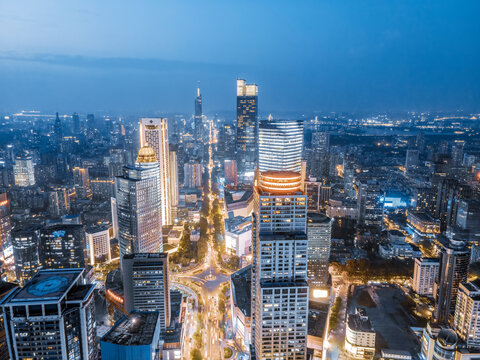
138, 328
313, 217
48, 285
317, 319
146, 256
241, 289
356, 322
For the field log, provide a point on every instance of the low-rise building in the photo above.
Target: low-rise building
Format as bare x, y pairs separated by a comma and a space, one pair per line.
238, 235
422, 225
360, 336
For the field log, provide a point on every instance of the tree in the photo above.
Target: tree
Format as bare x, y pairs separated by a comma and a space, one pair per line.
196, 354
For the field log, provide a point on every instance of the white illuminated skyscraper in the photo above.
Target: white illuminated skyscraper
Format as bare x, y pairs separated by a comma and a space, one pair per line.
23, 170
137, 201
154, 133
280, 145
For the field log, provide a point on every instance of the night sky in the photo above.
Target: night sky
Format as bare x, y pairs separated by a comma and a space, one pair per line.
147, 55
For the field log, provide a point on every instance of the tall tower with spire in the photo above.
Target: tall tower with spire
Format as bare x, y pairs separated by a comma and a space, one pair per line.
58, 131
198, 117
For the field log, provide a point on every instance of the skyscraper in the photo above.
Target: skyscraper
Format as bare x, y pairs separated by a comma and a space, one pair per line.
279, 269
5, 223
454, 262
52, 317
154, 133
198, 117
25, 252
58, 131
137, 195
82, 183
145, 284
319, 232
62, 246
192, 174
23, 170
467, 312
369, 205
174, 194
280, 145
247, 128
76, 124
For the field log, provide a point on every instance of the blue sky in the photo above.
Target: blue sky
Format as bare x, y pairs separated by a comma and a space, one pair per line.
145, 56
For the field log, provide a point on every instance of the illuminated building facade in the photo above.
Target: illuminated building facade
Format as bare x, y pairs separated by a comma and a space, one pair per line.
25, 252
359, 336
425, 273
146, 285
247, 128
319, 232
5, 222
98, 239
154, 133
422, 225
467, 311
23, 171
280, 145
192, 175
198, 118
137, 195
369, 204
454, 263
230, 167
82, 183
52, 317
279, 269
174, 193
62, 246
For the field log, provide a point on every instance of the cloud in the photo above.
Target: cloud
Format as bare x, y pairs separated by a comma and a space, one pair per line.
115, 63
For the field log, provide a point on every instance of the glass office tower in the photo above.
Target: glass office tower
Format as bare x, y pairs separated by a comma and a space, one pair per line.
247, 128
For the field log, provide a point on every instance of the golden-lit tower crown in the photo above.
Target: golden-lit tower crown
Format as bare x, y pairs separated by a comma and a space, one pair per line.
146, 155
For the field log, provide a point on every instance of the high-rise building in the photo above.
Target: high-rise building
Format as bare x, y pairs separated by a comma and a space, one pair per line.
58, 202
25, 252
425, 273
369, 204
137, 195
454, 262
279, 270
146, 285
247, 128
280, 145
319, 233
62, 246
411, 160
90, 121
82, 183
468, 216
192, 173
58, 131
23, 170
5, 222
467, 313
154, 133
76, 124
321, 142
198, 118
135, 336
52, 317
174, 193
98, 240
230, 169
